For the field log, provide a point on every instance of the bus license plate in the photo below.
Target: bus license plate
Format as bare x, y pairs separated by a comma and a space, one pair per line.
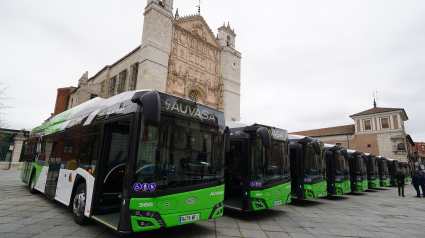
319, 195
277, 203
346, 191
188, 218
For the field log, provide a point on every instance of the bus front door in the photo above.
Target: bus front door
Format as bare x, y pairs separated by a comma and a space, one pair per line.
112, 171
233, 176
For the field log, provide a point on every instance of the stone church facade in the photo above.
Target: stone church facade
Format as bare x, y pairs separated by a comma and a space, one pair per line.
178, 55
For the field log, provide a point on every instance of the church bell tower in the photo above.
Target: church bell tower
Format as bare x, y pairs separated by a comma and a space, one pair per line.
231, 73
155, 47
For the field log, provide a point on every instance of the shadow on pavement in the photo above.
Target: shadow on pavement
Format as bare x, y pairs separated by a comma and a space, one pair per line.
357, 193
336, 198
253, 216
305, 203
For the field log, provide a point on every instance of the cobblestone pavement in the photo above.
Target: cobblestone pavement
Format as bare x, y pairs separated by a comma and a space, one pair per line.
375, 213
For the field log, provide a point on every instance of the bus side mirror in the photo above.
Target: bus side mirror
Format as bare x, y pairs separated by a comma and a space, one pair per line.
151, 104
316, 147
227, 137
264, 135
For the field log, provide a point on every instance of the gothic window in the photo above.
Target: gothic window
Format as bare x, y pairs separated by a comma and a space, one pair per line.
132, 80
367, 125
192, 95
384, 123
229, 41
121, 81
112, 82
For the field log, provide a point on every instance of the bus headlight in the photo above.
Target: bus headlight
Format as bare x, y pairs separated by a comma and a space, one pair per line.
256, 202
219, 207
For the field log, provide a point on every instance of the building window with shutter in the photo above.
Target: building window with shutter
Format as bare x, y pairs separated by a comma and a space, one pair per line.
367, 125
385, 123
111, 90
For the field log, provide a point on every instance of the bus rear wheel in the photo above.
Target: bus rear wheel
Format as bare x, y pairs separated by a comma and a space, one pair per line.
32, 183
79, 204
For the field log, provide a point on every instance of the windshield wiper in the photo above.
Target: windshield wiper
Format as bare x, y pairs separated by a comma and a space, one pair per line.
276, 179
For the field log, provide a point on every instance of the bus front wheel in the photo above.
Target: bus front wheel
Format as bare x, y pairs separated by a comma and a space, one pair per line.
79, 205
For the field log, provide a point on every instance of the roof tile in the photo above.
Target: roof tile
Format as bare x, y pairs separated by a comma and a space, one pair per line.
376, 110
338, 130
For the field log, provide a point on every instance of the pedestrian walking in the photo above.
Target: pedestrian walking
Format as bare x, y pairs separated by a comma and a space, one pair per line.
415, 183
400, 182
422, 182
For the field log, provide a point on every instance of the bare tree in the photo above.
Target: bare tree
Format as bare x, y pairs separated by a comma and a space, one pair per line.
4, 98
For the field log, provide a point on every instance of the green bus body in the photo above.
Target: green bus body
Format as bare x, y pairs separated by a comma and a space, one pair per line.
376, 183
316, 190
257, 173
342, 188
195, 163
386, 182
172, 207
308, 167
272, 197
358, 171
337, 169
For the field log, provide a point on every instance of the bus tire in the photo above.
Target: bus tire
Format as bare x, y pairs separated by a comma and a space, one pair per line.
79, 204
32, 183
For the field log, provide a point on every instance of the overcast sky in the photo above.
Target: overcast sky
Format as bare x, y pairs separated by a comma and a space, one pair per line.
305, 64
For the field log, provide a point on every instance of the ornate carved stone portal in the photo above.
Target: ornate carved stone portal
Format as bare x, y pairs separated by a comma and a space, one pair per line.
194, 65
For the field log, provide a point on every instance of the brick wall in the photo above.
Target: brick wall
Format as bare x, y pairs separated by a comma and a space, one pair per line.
61, 98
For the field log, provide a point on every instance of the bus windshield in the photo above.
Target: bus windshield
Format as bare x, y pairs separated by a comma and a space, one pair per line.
385, 172
314, 165
361, 170
396, 167
269, 164
341, 167
374, 173
181, 151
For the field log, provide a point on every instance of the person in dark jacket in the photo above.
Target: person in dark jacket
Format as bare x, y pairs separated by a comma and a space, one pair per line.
415, 183
422, 182
400, 182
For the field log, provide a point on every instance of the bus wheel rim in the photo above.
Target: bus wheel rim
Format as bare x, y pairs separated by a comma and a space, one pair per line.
79, 203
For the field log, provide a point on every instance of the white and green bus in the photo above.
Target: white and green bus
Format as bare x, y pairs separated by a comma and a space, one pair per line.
138, 161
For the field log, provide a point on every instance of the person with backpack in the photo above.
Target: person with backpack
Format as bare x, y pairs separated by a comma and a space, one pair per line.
399, 176
415, 183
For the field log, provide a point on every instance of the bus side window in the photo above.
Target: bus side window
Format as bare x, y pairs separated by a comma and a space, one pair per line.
56, 152
70, 152
89, 148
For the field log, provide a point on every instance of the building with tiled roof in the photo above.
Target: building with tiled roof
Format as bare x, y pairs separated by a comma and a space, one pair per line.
378, 131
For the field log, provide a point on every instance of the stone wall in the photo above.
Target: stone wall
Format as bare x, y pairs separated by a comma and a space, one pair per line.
388, 145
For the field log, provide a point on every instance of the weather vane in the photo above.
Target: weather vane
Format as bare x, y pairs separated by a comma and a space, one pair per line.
199, 7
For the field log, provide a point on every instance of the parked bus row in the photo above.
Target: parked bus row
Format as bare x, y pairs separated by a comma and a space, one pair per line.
145, 160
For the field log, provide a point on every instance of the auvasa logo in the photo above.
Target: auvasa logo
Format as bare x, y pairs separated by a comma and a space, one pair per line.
217, 193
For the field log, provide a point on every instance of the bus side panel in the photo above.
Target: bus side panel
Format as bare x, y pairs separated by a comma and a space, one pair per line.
40, 185
66, 181
23, 169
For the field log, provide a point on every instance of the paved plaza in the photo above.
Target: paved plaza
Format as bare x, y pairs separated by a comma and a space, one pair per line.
375, 213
